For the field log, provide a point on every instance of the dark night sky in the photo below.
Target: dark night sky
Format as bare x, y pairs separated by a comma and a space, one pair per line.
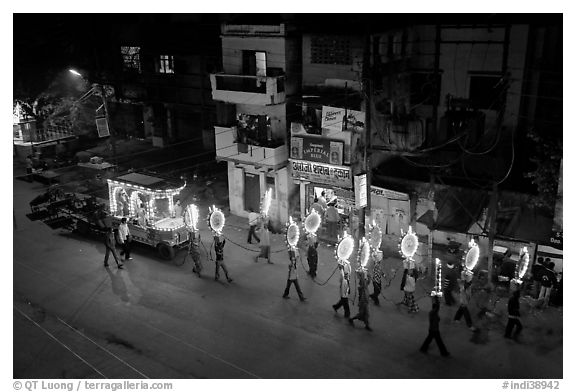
46, 44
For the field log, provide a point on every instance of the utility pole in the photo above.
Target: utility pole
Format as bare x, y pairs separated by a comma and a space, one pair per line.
493, 212
367, 87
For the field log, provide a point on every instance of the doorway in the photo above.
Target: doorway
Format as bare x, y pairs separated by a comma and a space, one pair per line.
251, 192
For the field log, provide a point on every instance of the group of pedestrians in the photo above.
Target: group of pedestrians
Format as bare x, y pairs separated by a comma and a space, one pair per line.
364, 278
122, 238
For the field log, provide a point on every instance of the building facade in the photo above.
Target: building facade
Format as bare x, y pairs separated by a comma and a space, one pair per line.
260, 75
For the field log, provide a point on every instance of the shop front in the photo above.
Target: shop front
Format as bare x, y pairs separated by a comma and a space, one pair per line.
329, 187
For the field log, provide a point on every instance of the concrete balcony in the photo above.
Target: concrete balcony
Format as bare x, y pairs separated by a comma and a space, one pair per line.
228, 149
254, 90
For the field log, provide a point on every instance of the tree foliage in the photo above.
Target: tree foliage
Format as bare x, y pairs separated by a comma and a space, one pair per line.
546, 158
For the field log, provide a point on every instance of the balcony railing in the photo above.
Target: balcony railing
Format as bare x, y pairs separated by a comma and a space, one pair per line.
229, 149
256, 90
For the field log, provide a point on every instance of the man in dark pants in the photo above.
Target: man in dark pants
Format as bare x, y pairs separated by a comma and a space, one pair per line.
110, 243
363, 312
293, 275
124, 239
253, 219
312, 257
219, 249
377, 280
434, 331
451, 274
344, 290
465, 296
513, 316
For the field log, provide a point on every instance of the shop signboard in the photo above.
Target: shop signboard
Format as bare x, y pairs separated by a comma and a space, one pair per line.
360, 190
322, 173
387, 193
317, 149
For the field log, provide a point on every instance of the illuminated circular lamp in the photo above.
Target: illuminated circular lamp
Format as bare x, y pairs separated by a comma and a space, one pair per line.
216, 220
522, 265
312, 222
292, 234
364, 254
409, 243
266, 201
191, 215
345, 247
471, 258
374, 236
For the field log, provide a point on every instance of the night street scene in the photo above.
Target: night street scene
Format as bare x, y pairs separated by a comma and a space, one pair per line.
288, 196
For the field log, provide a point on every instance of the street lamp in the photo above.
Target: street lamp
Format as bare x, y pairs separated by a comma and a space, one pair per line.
104, 105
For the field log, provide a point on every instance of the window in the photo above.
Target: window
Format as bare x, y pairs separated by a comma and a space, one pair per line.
166, 65
487, 92
131, 58
330, 50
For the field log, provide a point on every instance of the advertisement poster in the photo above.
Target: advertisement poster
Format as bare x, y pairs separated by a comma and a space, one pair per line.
296, 148
336, 152
332, 118
316, 149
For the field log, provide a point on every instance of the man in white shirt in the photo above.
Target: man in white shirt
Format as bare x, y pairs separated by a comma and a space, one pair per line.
253, 220
124, 239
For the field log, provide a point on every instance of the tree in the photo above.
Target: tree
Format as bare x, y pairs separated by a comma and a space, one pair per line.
546, 158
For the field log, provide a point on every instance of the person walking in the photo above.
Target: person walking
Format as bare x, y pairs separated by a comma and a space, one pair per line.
434, 330
409, 289
124, 239
363, 313
312, 256
265, 241
513, 316
110, 243
465, 296
377, 279
536, 271
294, 255
253, 219
332, 219
219, 250
344, 290
451, 274
195, 241
547, 280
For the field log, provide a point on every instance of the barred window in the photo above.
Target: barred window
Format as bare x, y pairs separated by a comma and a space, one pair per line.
330, 50
131, 58
166, 64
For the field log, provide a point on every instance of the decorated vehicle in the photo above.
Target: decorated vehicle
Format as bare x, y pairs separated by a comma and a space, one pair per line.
148, 203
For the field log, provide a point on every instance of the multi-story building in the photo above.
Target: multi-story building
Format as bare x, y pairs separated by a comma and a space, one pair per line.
325, 140
159, 66
260, 75
451, 104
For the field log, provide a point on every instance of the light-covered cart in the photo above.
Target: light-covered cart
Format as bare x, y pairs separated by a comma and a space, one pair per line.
148, 203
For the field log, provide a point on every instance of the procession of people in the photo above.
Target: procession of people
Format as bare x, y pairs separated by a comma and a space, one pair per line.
354, 279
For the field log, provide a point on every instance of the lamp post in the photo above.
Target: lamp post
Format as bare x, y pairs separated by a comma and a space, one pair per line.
100, 87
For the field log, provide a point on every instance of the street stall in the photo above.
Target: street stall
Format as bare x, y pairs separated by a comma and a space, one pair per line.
148, 203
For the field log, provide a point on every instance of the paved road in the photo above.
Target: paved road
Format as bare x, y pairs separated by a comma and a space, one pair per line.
165, 322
